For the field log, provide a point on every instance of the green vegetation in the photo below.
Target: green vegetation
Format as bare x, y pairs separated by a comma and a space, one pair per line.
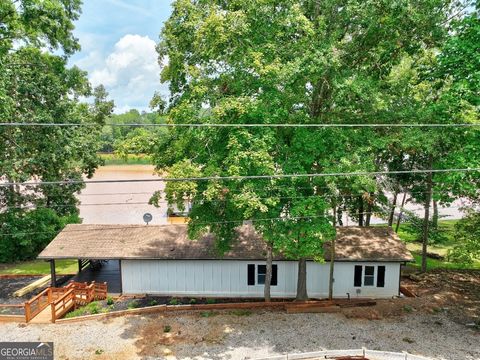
89, 309
110, 300
37, 86
442, 264
449, 236
167, 328
467, 233
152, 302
326, 62
131, 159
174, 301
408, 233
233, 62
133, 304
130, 143
39, 267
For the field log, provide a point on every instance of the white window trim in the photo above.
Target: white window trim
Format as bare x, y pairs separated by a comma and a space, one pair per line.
375, 274
256, 276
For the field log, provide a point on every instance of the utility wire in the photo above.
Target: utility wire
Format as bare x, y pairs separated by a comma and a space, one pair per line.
123, 227
245, 177
347, 194
64, 205
229, 125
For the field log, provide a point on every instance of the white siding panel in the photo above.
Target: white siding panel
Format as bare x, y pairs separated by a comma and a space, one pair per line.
228, 278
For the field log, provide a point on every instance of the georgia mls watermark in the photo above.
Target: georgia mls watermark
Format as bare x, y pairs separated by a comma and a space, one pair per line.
26, 350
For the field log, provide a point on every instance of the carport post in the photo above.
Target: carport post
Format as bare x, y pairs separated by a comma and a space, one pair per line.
53, 276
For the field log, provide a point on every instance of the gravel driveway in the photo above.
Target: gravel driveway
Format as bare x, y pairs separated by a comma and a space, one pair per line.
248, 335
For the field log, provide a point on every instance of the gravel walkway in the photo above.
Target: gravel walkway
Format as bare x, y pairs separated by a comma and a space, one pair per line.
238, 336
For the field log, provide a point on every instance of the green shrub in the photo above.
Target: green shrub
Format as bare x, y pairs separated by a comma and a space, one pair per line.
407, 308
110, 300
167, 328
211, 301
193, 301
174, 301
89, 309
133, 304
153, 302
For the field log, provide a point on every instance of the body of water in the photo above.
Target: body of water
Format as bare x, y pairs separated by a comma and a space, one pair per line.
125, 203
121, 203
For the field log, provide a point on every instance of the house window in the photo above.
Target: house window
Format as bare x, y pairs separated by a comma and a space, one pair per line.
369, 278
367, 274
261, 273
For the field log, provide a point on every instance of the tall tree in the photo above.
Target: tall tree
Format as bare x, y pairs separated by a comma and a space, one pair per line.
289, 62
36, 86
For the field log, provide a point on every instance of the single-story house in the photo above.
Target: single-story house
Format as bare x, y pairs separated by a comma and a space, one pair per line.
162, 260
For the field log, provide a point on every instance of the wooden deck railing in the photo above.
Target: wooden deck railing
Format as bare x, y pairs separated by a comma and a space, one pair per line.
64, 299
35, 306
99, 290
63, 304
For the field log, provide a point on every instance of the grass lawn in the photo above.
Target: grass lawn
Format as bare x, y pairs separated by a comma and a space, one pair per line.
407, 234
39, 267
133, 159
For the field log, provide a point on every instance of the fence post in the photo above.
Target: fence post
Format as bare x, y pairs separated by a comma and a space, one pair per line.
52, 307
27, 312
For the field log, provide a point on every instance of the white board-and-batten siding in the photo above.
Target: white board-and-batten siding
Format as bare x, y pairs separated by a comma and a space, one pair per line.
229, 278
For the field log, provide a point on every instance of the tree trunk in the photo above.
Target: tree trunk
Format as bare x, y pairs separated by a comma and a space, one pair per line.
332, 260
435, 214
268, 275
399, 219
368, 217
360, 211
426, 219
302, 280
392, 211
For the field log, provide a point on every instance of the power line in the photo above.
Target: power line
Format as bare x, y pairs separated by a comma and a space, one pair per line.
229, 125
244, 177
122, 227
65, 205
289, 188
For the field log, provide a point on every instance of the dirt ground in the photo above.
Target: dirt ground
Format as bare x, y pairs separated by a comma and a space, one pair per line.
441, 323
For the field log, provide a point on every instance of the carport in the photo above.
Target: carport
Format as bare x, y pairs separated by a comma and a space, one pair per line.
95, 263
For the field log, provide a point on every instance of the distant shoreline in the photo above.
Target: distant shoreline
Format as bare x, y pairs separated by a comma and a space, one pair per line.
132, 159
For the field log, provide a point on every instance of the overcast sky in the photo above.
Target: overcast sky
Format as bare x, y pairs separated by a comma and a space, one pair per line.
118, 40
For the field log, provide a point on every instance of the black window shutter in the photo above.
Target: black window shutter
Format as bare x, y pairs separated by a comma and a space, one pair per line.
274, 275
251, 274
381, 276
358, 276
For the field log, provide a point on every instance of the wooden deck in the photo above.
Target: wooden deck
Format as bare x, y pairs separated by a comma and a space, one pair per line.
44, 317
109, 273
53, 303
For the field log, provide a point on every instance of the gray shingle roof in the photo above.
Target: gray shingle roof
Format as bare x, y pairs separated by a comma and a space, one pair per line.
171, 242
